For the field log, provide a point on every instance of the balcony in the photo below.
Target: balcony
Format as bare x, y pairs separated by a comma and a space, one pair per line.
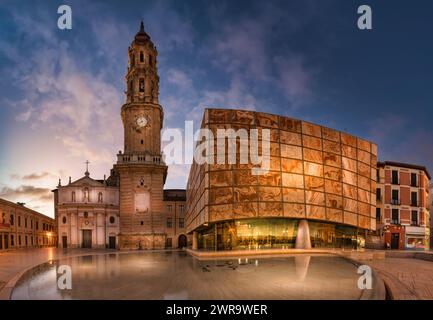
139, 159
395, 221
395, 202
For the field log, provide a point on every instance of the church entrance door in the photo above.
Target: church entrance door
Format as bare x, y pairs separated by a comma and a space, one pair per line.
87, 239
112, 242
64, 242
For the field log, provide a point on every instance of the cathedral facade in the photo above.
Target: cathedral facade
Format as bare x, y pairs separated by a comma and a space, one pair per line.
130, 209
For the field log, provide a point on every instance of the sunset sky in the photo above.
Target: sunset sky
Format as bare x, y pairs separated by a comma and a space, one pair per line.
61, 90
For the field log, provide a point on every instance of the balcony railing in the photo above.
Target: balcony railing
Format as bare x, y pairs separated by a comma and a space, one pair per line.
395, 202
414, 203
395, 221
140, 159
395, 181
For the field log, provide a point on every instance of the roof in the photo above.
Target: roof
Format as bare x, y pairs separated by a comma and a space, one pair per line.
404, 165
22, 207
174, 195
141, 35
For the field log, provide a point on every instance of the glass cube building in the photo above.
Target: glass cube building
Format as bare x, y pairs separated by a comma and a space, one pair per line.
319, 191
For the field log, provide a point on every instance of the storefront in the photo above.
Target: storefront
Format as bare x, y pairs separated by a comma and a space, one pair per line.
416, 238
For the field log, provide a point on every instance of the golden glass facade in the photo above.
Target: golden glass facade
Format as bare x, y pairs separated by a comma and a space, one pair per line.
316, 173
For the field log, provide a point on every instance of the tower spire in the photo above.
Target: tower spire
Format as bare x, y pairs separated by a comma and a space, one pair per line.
87, 168
141, 27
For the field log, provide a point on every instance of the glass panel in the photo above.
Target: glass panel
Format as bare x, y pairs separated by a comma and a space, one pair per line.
273, 233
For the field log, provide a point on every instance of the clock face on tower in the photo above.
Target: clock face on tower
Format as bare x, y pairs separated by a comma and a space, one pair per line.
141, 122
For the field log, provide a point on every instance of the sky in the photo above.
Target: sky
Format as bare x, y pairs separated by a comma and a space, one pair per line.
61, 90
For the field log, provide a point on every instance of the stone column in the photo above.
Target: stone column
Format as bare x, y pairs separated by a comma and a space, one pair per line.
303, 237
194, 240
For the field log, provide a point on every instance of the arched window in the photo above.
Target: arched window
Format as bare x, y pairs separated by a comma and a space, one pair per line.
150, 60
100, 198
73, 196
132, 60
141, 88
141, 56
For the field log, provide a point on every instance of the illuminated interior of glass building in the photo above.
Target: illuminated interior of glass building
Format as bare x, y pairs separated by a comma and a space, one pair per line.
276, 233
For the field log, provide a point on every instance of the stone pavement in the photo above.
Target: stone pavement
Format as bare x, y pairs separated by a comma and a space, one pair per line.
406, 278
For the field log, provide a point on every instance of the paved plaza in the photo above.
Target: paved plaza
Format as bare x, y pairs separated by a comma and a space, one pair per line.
405, 277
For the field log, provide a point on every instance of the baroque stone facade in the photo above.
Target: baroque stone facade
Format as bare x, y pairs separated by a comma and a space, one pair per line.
87, 213
316, 173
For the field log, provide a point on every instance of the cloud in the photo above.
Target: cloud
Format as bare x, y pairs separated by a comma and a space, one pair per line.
180, 79
294, 78
27, 193
78, 106
33, 176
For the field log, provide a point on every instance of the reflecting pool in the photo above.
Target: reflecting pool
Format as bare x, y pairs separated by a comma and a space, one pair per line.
177, 275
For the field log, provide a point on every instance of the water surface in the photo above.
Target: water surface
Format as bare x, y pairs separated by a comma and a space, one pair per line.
176, 275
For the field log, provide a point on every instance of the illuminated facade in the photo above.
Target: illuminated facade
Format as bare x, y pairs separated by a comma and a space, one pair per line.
21, 227
319, 191
403, 205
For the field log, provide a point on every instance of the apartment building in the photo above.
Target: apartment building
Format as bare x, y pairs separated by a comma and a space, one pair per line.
21, 227
403, 205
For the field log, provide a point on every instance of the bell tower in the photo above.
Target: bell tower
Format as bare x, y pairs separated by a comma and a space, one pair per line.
142, 115
141, 169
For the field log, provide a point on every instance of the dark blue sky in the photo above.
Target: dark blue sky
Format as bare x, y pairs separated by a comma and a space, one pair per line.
61, 91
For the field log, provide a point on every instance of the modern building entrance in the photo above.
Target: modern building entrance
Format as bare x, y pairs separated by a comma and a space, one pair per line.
87, 239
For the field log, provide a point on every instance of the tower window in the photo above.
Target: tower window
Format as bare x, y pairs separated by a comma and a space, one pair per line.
100, 198
150, 59
141, 85
142, 141
141, 56
132, 60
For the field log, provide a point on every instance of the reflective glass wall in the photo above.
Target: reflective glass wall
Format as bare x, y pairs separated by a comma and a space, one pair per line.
272, 233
